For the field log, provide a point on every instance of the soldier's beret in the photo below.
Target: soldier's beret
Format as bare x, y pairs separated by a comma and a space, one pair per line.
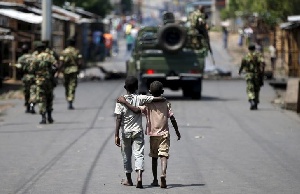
168, 17
70, 40
251, 47
39, 44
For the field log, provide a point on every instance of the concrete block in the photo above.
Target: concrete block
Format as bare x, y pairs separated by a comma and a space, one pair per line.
291, 96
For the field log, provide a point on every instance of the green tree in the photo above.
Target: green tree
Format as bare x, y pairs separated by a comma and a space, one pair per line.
126, 6
274, 8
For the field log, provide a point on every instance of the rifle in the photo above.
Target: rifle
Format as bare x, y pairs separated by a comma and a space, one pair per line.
206, 37
211, 53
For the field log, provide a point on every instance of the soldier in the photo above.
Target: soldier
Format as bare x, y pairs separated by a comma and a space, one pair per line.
43, 70
24, 63
198, 20
70, 60
168, 17
198, 26
253, 64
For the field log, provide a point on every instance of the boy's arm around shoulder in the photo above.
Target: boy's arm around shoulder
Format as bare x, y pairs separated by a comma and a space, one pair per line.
134, 109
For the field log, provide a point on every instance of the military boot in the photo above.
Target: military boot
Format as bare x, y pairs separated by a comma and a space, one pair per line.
253, 105
70, 107
32, 111
50, 119
43, 121
27, 108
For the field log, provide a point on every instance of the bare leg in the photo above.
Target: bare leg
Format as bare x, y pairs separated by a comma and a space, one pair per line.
128, 181
164, 164
154, 172
139, 179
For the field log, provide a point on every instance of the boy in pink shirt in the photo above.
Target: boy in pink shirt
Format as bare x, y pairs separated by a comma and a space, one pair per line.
157, 114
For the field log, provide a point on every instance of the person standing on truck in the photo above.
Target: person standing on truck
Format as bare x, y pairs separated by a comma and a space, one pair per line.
253, 64
198, 20
157, 114
199, 26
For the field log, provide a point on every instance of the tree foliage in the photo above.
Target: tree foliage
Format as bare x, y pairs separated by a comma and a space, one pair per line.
271, 10
126, 6
99, 7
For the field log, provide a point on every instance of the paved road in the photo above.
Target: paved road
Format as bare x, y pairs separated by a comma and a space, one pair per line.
225, 147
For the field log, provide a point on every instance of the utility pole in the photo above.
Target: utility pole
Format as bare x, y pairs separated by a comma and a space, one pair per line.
47, 20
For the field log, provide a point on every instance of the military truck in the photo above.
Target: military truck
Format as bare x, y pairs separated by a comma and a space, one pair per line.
171, 55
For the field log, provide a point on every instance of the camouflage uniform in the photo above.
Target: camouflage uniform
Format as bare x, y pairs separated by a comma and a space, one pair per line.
33, 95
197, 20
28, 78
253, 65
70, 57
43, 70
199, 35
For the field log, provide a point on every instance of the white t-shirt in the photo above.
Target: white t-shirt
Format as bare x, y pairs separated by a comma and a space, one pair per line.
134, 32
132, 122
272, 50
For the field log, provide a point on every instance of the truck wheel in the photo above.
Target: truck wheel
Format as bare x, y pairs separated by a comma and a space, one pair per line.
186, 93
196, 95
171, 37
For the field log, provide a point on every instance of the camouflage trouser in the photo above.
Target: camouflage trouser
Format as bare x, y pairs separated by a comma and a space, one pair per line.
253, 88
33, 97
196, 40
44, 96
29, 88
26, 92
70, 83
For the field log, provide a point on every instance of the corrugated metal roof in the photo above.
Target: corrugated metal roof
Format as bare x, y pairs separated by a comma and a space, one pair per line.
5, 34
66, 12
73, 16
54, 15
11, 4
18, 15
289, 25
4, 30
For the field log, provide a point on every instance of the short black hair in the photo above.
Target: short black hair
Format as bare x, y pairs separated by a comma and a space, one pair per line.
39, 45
131, 84
71, 42
25, 48
251, 47
156, 88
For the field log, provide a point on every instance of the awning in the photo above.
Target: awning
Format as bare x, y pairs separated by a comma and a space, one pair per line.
7, 37
4, 30
5, 34
289, 25
54, 15
294, 18
18, 15
66, 13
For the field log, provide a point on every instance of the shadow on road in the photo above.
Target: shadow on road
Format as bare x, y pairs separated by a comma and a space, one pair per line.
170, 186
203, 98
